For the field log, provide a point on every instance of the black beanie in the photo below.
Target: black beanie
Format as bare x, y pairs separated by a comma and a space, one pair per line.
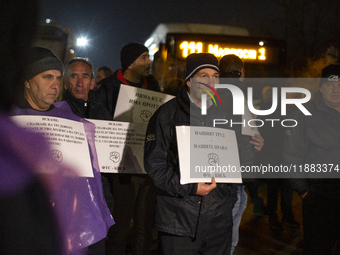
330, 73
198, 61
130, 53
42, 60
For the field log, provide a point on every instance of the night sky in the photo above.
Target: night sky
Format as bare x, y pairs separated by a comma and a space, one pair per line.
109, 25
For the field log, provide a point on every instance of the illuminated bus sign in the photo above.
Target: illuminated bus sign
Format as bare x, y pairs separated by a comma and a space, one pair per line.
219, 50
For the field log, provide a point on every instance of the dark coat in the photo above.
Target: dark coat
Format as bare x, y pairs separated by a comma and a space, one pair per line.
86, 109
315, 140
179, 210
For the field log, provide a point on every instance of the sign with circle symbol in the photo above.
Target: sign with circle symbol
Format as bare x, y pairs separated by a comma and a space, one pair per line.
57, 156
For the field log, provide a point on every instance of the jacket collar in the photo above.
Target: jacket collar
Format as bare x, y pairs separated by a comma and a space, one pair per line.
120, 77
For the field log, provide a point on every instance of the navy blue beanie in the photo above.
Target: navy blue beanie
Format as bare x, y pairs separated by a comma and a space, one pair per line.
198, 61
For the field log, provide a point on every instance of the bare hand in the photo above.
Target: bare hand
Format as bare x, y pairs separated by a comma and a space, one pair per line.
203, 189
258, 141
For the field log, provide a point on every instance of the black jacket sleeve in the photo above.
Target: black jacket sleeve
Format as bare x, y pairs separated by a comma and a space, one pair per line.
160, 155
294, 152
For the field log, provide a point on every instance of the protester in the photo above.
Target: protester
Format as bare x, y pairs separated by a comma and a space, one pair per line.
102, 73
315, 141
79, 79
192, 218
133, 194
84, 211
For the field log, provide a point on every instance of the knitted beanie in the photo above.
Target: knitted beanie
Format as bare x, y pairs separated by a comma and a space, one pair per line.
42, 60
130, 53
198, 61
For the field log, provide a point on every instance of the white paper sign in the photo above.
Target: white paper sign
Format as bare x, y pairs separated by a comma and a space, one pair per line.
246, 129
138, 105
67, 139
120, 146
206, 152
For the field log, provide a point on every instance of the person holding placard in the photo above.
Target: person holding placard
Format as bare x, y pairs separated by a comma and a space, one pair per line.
133, 194
194, 218
83, 208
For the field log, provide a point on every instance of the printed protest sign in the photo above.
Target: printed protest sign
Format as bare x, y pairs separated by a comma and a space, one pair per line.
120, 146
206, 152
67, 139
137, 105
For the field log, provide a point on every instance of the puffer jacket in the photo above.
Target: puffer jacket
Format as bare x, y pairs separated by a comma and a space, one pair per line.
179, 210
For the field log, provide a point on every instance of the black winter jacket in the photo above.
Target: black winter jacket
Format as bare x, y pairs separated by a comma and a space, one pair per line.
89, 109
179, 210
315, 141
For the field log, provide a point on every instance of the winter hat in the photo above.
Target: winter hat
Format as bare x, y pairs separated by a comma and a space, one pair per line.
41, 60
130, 53
330, 73
198, 61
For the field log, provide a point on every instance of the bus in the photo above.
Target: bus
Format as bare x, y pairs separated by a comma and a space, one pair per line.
170, 43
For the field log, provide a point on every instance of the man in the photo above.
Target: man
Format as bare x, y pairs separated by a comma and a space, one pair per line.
315, 141
194, 218
102, 73
79, 81
232, 67
133, 194
87, 220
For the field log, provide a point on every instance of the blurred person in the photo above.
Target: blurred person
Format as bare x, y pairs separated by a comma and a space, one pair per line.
315, 140
102, 73
271, 154
133, 194
88, 220
28, 222
79, 80
194, 218
232, 67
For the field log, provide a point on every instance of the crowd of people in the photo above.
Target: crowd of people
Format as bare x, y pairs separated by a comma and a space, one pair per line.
45, 208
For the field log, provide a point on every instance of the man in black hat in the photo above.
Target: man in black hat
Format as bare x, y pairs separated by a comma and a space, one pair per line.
194, 218
41, 89
313, 145
135, 71
133, 194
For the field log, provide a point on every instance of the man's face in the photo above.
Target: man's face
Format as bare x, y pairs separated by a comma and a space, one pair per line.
207, 76
79, 82
331, 94
141, 66
43, 89
100, 75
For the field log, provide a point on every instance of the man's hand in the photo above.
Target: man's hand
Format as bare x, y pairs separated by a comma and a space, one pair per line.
203, 189
258, 142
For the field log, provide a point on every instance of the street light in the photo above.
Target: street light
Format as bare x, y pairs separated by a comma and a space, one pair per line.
82, 41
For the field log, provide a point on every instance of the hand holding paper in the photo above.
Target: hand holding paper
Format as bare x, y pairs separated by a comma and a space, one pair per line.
203, 189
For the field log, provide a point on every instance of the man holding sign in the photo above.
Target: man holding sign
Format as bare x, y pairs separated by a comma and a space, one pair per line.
85, 212
133, 194
194, 218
